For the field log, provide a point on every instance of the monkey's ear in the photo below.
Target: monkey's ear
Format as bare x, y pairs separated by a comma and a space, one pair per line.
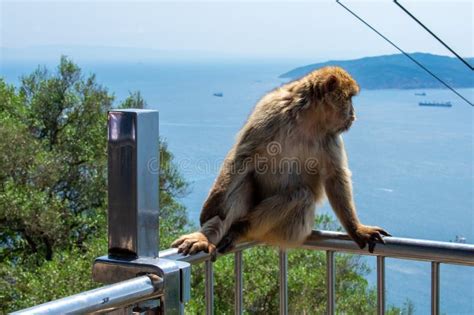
325, 85
331, 83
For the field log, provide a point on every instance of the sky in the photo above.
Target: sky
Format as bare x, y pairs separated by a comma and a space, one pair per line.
313, 30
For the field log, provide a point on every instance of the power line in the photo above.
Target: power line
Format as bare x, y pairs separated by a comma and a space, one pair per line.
433, 34
406, 54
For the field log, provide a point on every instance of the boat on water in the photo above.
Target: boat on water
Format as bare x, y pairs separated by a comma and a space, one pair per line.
420, 94
436, 104
219, 94
459, 239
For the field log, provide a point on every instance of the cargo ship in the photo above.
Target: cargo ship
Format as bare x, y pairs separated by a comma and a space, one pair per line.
436, 104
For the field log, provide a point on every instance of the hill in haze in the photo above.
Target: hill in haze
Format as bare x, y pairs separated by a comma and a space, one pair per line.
399, 72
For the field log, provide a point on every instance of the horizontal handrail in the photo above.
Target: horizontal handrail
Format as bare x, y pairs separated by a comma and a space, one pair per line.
104, 298
395, 247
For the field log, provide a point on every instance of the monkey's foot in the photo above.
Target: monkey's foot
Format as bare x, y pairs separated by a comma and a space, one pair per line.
369, 235
194, 243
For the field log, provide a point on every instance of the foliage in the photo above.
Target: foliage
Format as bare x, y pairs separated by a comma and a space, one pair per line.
52, 175
53, 208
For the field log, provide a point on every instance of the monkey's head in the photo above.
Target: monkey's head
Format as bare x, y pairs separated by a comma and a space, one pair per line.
334, 89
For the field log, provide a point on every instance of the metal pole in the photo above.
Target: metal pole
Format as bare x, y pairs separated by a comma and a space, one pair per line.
133, 190
107, 297
238, 282
330, 282
283, 259
380, 285
434, 288
133, 170
209, 288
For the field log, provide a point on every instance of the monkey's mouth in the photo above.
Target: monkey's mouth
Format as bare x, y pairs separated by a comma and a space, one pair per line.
347, 125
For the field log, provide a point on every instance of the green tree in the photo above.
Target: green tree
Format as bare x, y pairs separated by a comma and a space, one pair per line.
53, 183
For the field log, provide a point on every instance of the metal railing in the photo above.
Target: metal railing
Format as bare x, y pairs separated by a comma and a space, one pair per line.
332, 242
143, 279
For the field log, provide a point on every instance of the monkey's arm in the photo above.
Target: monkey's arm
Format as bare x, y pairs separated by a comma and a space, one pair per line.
339, 192
338, 186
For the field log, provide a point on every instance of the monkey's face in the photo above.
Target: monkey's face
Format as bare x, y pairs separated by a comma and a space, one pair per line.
338, 89
346, 114
339, 112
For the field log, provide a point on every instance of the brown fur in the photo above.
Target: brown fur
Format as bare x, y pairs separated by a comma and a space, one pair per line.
260, 195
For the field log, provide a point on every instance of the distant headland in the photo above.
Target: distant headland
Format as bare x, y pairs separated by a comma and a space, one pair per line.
398, 72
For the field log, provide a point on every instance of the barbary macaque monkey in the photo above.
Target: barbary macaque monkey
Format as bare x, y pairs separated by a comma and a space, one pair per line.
286, 158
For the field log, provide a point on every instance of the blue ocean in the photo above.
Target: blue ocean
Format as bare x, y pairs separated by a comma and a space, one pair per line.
412, 166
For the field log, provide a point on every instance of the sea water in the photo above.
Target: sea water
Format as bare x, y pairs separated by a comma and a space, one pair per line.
412, 166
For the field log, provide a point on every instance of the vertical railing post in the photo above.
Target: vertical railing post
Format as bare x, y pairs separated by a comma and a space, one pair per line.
133, 164
330, 282
283, 258
435, 288
238, 308
209, 287
133, 214
380, 285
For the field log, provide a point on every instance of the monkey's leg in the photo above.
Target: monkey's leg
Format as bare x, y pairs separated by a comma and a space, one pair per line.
237, 204
204, 240
193, 243
285, 219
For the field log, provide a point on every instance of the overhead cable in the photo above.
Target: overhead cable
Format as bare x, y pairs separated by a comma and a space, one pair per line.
434, 35
406, 54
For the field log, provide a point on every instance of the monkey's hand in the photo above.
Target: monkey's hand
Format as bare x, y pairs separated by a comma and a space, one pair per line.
194, 243
365, 234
